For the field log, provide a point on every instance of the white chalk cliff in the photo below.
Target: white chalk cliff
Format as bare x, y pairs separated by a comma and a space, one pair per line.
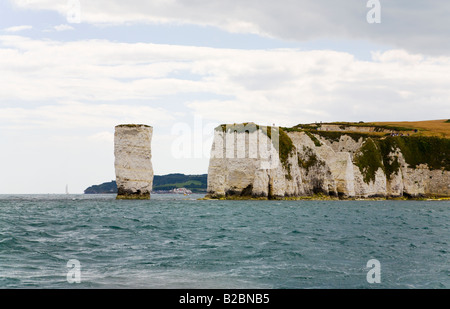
247, 162
133, 165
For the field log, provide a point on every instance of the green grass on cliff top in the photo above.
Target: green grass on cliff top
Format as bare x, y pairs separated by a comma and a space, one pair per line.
438, 128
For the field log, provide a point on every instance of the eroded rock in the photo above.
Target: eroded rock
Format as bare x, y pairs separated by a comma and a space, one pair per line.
133, 165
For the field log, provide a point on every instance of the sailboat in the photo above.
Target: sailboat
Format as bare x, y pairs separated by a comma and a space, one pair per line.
67, 193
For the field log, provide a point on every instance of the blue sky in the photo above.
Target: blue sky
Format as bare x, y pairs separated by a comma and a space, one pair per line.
185, 66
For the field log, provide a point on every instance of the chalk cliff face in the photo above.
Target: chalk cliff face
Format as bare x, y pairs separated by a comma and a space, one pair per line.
254, 161
133, 165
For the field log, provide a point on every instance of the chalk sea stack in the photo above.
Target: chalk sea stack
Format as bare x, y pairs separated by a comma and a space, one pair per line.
133, 165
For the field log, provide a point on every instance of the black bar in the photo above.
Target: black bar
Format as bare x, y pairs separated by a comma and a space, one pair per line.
215, 298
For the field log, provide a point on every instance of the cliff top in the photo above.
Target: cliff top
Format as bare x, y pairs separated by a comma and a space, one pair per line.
428, 128
133, 125
439, 128
436, 128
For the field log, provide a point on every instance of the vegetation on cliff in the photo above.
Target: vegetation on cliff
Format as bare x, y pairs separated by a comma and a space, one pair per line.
369, 160
285, 150
416, 150
314, 139
308, 159
335, 136
429, 150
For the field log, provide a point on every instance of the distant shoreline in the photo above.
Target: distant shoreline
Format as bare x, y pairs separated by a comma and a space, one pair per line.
161, 183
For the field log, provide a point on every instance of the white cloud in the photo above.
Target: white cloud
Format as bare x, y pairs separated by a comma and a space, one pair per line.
397, 56
18, 28
63, 27
285, 86
418, 26
75, 115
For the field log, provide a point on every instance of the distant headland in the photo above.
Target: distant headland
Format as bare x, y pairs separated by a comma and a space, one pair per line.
161, 184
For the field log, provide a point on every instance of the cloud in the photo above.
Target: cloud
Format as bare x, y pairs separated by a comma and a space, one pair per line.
107, 81
18, 28
76, 115
418, 26
63, 27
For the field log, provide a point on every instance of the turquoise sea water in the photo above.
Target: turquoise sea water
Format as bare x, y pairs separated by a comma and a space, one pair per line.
174, 241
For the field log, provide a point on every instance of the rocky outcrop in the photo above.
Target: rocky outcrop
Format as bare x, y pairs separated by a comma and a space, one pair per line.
133, 165
251, 161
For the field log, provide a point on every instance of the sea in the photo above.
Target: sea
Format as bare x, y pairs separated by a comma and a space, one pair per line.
179, 242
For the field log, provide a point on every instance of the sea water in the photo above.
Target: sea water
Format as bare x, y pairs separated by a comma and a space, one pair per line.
176, 241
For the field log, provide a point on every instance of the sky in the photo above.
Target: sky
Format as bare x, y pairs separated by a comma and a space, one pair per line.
71, 70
